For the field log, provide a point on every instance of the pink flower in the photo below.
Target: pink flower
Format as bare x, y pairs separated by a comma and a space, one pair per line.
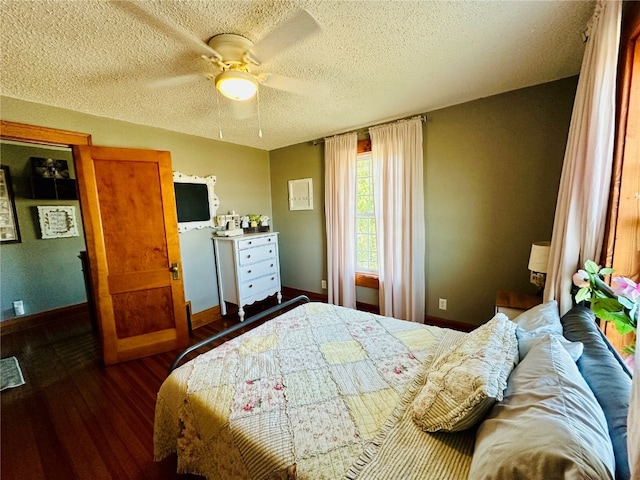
624, 287
247, 407
412, 356
249, 382
581, 279
278, 387
398, 370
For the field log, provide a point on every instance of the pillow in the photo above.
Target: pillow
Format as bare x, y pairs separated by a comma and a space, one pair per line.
465, 382
526, 341
540, 320
549, 425
543, 317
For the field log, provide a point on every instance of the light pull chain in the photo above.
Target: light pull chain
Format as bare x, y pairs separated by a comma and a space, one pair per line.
219, 119
259, 125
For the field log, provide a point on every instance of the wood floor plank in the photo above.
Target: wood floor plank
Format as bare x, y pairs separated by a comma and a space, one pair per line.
75, 418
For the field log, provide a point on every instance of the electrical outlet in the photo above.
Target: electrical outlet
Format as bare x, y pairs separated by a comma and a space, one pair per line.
442, 303
324, 284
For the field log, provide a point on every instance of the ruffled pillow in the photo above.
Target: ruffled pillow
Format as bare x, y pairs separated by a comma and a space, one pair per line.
464, 383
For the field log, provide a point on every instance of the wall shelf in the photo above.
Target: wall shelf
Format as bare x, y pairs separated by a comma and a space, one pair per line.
54, 188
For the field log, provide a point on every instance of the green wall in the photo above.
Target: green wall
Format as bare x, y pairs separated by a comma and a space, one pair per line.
492, 171
242, 179
44, 273
303, 252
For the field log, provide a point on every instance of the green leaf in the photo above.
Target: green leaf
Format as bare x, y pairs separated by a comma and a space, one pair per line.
622, 325
591, 267
607, 271
610, 304
583, 294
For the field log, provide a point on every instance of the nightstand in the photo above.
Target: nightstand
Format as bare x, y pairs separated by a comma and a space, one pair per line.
513, 304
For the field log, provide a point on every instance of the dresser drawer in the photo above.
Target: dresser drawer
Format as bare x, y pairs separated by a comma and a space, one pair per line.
256, 242
257, 254
258, 285
249, 272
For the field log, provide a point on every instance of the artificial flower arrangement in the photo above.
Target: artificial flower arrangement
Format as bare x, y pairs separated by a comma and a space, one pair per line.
254, 218
618, 304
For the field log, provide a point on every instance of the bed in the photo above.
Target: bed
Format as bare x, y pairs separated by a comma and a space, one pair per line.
325, 392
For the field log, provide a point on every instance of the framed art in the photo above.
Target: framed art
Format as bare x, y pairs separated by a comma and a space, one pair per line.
301, 194
58, 222
49, 168
9, 230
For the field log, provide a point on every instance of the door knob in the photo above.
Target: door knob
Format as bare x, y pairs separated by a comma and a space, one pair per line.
175, 271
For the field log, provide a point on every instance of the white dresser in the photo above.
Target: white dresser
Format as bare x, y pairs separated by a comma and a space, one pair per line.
248, 269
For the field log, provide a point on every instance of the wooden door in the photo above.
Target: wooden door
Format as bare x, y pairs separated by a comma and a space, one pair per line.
131, 229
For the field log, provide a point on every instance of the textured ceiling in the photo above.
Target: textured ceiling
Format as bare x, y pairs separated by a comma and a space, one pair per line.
373, 61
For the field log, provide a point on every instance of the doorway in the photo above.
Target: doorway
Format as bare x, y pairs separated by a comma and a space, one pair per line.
136, 273
44, 274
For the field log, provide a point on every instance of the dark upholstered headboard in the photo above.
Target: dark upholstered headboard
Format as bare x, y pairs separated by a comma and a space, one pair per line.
606, 375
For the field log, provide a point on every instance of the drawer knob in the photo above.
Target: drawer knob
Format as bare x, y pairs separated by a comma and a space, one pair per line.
250, 242
250, 286
248, 271
248, 256
270, 251
273, 278
272, 264
269, 240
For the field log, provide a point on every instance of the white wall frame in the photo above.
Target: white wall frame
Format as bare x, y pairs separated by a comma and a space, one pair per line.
301, 194
58, 221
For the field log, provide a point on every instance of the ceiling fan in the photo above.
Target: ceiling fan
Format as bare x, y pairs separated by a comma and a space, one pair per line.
235, 55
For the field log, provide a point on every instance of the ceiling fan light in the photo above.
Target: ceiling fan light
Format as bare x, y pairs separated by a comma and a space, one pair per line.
237, 85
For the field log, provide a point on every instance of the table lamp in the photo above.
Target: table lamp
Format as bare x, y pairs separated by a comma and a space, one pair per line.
538, 262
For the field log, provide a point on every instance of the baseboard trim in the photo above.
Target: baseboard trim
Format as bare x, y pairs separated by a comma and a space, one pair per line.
205, 317
452, 324
25, 322
289, 293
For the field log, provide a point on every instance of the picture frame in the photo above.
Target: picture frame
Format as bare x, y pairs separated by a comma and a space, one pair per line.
58, 221
9, 228
301, 194
49, 168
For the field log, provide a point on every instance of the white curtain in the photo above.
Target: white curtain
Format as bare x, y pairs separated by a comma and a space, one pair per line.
396, 150
581, 208
340, 154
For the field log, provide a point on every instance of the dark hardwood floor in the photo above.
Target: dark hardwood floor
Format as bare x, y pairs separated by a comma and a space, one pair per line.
75, 418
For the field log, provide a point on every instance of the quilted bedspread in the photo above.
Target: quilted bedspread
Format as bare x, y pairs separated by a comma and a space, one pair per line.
320, 392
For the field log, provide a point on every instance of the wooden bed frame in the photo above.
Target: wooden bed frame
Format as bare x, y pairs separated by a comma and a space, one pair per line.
270, 311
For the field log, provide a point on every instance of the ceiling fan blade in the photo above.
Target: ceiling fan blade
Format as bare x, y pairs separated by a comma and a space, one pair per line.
176, 31
176, 81
285, 35
292, 85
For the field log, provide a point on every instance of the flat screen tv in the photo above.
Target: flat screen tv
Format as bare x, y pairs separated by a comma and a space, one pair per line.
196, 201
192, 202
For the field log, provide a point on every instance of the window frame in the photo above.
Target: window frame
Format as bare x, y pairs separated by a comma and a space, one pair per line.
367, 279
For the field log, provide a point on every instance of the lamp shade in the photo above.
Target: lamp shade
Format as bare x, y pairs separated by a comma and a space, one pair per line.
237, 85
539, 258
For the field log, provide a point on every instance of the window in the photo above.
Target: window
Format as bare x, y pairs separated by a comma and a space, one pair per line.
366, 244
